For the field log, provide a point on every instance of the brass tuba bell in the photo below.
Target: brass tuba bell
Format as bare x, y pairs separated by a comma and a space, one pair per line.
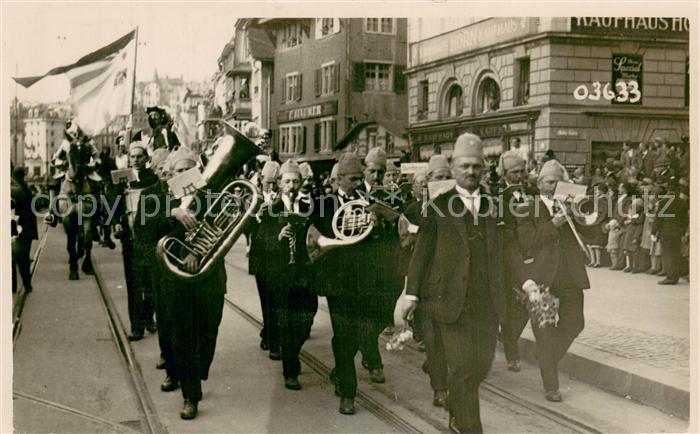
222, 223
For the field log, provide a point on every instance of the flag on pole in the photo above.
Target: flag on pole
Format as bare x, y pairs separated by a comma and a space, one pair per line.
101, 83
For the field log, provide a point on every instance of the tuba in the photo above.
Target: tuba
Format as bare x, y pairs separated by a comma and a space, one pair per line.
223, 222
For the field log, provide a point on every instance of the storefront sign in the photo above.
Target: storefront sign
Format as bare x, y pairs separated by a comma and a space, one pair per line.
472, 37
627, 78
441, 136
488, 130
632, 26
308, 112
567, 133
414, 167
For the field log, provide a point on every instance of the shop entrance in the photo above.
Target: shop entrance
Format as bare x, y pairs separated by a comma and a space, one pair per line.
601, 151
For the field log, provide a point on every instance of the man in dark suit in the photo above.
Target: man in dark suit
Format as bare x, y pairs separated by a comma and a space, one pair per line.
352, 282
22, 196
671, 221
386, 254
151, 224
193, 310
283, 233
139, 293
259, 263
514, 315
455, 273
645, 160
554, 259
435, 364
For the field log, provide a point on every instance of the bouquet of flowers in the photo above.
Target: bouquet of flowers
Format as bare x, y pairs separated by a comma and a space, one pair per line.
396, 342
542, 306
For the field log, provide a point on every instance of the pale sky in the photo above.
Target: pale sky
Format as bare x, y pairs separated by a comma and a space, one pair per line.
177, 38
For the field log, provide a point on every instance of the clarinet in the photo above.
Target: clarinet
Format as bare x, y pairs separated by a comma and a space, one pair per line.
292, 246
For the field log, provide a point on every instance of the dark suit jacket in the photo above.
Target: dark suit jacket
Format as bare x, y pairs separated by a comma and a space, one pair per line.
367, 269
22, 195
548, 251
440, 268
277, 253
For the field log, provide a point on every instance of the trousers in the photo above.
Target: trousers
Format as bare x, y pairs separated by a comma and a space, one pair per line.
355, 327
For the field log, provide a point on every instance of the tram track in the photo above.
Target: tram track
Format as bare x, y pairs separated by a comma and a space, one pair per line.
380, 411
564, 420
152, 421
18, 305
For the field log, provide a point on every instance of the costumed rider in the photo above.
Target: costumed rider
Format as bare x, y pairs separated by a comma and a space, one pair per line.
163, 135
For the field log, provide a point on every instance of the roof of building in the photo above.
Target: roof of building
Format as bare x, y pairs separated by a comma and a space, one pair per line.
394, 127
260, 45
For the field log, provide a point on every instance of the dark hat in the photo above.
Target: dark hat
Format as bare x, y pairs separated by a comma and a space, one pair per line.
156, 109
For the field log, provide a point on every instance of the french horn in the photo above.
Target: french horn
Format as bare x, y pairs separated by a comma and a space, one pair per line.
352, 223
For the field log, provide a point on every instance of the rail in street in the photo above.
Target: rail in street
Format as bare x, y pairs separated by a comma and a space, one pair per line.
116, 388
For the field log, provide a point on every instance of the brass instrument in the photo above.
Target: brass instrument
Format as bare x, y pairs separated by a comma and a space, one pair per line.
352, 223
223, 222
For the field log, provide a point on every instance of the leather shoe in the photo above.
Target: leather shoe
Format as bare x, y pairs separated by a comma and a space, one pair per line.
627, 270
189, 410
152, 327
514, 365
169, 384
668, 281
275, 355
347, 406
73, 275
264, 346
161, 363
135, 336
377, 375
439, 398
553, 396
292, 383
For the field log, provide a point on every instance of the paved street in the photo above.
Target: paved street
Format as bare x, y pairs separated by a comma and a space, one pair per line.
71, 377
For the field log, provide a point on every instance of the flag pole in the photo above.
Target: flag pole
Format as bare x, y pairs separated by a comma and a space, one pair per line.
130, 125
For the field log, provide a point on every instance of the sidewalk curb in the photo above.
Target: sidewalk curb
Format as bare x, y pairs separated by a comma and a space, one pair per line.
594, 371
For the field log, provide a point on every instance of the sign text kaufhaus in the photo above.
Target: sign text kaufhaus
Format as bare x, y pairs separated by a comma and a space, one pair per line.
675, 26
308, 112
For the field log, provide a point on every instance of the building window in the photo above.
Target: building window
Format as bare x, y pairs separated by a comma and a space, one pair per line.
522, 90
327, 79
371, 137
292, 139
378, 76
326, 27
453, 101
379, 25
292, 87
488, 96
326, 135
291, 35
423, 99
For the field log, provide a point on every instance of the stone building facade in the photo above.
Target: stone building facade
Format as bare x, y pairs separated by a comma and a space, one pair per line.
578, 86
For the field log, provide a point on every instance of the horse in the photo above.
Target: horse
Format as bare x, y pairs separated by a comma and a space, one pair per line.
78, 201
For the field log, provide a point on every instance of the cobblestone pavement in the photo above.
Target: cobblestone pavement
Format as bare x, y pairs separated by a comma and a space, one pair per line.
653, 349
